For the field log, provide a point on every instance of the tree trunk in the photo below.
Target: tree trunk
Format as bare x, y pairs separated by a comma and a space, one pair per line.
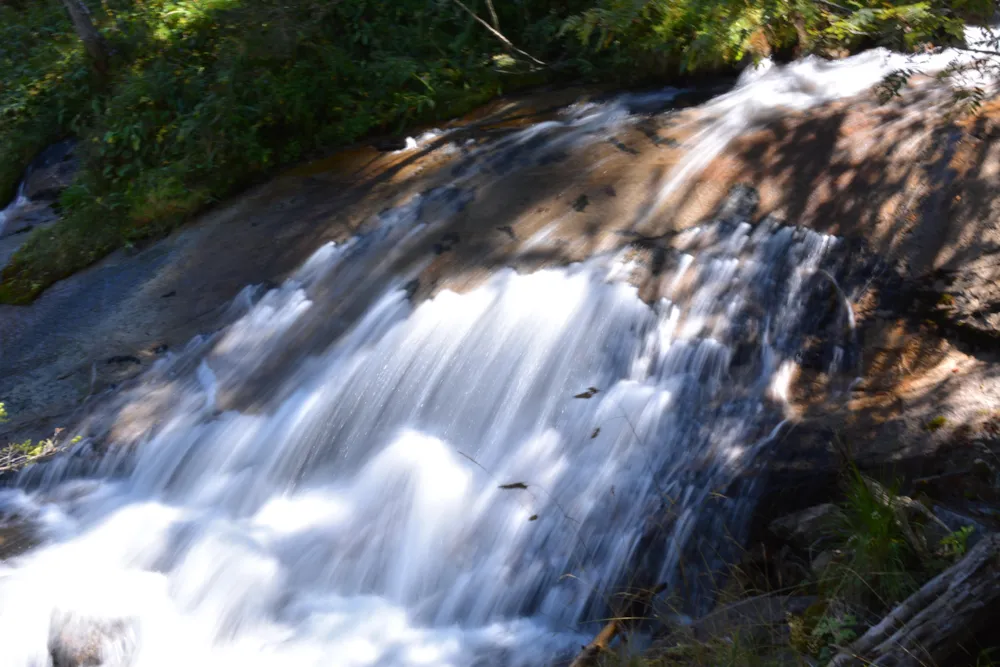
930, 626
92, 40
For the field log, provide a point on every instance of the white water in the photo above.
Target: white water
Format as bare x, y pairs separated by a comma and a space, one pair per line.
13, 208
343, 507
766, 92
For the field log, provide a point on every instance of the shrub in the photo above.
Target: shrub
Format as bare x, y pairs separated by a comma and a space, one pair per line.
879, 565
207, 95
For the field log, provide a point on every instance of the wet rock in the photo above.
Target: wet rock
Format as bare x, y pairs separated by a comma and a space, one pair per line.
51, 172
507, 229
983, 470
15, 538
810, 528
79, 641
822, 562
740, 204
622, 146
124, 359
411, 288
761, 614
389, 144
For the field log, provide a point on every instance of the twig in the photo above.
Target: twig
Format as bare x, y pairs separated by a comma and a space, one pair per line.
493, 14
985, 52
836, 6
590, 655
498, 34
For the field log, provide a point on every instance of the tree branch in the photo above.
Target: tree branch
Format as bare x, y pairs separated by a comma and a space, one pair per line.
985, 52
498, 34
493, 14
930, 625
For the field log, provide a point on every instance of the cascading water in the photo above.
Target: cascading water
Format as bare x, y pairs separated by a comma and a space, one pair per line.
14, 208
343, 477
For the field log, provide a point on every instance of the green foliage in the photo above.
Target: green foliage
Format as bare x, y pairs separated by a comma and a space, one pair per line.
832, 632
44, 82
691, 34
822, 630
878, 570
207, 95
954, 546
711, 33
16, 455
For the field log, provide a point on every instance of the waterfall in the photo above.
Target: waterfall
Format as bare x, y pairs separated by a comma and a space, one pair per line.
13, 208
344, 477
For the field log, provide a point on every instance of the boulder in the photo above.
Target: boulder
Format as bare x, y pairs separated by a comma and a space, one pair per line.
80, 641
809, 529
740, 204
51, 172
763, 613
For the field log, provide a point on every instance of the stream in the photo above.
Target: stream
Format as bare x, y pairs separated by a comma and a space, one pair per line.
346, 475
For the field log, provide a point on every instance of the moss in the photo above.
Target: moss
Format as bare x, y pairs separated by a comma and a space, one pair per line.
936, 424
946, 300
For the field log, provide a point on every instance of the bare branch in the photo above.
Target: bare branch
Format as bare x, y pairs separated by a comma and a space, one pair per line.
493, 14
498, 34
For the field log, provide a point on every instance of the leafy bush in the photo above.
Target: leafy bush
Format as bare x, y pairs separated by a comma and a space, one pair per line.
207, 95
700, 34
44, 85
954, 546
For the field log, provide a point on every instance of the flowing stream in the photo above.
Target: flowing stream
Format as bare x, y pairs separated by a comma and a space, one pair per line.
344, 477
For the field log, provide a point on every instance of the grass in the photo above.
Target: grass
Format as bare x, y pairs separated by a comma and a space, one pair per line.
878, 571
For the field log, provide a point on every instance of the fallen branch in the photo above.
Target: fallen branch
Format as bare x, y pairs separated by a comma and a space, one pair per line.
636, 607
498, 34
590, 654
929, 627
899, 506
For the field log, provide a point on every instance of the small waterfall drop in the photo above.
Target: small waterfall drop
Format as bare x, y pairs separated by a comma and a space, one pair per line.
19, 203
